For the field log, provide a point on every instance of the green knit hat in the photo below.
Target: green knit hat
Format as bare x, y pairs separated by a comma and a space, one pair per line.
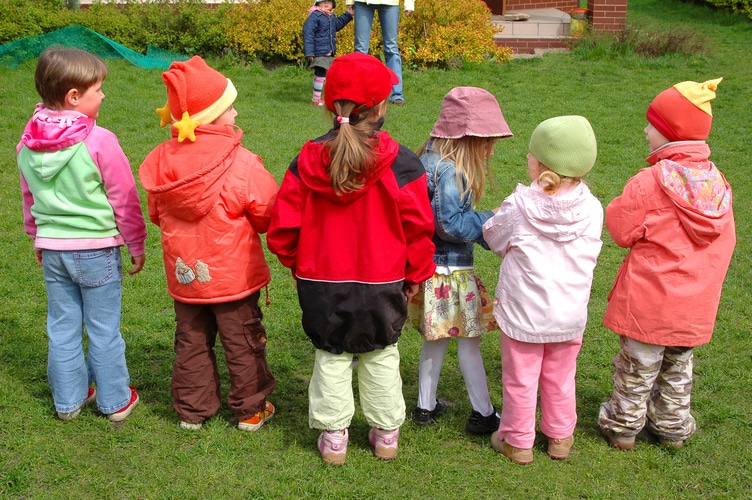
565, 144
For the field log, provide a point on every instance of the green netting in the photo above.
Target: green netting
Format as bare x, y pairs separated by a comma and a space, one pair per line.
14, 53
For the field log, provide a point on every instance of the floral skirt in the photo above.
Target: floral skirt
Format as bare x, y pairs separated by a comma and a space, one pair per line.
454, 305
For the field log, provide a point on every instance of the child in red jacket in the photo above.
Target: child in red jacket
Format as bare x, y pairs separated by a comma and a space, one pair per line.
354, 223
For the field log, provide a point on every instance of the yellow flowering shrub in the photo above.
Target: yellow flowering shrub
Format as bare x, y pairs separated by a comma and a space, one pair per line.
272, 30
438, 33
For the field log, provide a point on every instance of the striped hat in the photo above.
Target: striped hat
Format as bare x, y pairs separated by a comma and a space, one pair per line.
682, 112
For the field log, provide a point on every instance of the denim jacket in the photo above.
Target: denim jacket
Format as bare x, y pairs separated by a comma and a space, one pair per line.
457, 225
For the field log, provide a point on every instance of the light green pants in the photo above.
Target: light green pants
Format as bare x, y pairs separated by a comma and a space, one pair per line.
330, 393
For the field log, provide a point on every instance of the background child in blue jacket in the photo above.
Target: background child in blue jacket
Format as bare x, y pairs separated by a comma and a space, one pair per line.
320, 41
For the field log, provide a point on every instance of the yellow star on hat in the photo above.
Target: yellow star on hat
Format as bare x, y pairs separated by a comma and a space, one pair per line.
186, 128
165, 117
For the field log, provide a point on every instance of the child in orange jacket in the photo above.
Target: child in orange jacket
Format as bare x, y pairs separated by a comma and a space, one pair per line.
676, 219
211, 198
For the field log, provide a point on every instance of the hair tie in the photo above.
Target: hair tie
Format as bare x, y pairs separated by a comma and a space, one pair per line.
342, 119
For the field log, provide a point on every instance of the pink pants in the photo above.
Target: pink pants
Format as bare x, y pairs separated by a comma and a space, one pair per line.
524, 365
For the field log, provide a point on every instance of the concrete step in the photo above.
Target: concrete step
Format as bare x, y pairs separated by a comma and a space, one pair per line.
541, 29
539, 23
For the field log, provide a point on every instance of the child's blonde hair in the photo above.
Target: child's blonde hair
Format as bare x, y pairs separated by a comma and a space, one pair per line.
61, 69
351, 153
550, 181
471, 156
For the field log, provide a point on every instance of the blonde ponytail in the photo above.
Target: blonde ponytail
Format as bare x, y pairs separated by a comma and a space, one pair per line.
351, 153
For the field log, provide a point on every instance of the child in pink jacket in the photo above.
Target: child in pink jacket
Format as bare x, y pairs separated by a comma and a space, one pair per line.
677, 221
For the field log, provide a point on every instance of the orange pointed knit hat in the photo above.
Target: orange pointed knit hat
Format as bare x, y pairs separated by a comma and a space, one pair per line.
683, 112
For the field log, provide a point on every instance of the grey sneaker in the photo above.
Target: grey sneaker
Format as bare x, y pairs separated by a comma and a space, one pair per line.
188, 426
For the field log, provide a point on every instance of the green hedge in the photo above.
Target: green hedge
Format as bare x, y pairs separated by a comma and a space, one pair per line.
440, 33
737, 6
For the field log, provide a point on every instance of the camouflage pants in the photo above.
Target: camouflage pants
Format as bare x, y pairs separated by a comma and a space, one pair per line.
652, 386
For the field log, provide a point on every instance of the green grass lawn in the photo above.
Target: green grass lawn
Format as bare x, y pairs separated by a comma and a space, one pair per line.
150, 457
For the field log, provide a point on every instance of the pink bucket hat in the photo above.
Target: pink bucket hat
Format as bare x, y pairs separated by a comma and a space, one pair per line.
470, 111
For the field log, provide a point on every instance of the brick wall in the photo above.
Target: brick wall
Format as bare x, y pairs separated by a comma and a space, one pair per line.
562, 5
608, 15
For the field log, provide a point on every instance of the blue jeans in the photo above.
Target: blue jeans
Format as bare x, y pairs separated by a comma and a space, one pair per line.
84, 289
389, 19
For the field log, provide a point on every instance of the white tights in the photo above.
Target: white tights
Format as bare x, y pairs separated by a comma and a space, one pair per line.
471, 365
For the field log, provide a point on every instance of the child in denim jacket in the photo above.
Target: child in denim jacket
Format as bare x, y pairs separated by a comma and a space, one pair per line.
454, 302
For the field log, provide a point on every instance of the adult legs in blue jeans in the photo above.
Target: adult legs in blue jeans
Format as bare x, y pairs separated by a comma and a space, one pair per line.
389, 19
84, 288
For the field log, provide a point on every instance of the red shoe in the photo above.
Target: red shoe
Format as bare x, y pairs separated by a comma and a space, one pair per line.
124, 413
90, 396
257, 420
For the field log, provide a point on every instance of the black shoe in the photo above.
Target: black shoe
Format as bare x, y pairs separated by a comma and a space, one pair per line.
480, 425
426, 417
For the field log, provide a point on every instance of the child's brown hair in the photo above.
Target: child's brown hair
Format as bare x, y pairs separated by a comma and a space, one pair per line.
61, 69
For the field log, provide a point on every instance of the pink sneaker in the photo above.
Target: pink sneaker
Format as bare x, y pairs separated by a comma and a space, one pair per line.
124, 413
333, 446
384, 443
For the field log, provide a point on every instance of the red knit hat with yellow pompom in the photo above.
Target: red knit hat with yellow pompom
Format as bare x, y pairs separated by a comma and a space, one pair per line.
683, 112
196, 95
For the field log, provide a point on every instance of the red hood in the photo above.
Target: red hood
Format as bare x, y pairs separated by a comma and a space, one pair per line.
314, 159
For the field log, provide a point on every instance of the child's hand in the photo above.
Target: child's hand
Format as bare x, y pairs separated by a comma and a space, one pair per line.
410, 291
350, 9
309, 58
138, 264
38, 256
